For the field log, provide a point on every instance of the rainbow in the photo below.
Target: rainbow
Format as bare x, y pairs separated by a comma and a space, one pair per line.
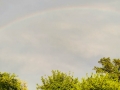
99, 8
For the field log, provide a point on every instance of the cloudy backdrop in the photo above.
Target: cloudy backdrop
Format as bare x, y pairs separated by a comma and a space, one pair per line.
37, 36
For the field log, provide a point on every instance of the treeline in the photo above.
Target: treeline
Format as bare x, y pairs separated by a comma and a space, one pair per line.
107, 77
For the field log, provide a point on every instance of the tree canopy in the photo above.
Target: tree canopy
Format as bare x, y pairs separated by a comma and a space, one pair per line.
109, 66
107, 77
59, 81
11, 82
99, 82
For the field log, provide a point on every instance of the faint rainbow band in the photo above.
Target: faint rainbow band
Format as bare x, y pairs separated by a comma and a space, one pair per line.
99, 8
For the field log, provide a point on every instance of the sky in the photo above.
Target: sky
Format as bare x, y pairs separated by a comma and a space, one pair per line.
38, 36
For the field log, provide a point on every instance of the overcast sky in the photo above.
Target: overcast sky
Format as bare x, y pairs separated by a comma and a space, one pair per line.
37, 36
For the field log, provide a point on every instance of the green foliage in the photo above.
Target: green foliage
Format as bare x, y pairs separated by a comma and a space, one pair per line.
99, 82
59, 81
108, 66
107, 77
11, 82
62, 81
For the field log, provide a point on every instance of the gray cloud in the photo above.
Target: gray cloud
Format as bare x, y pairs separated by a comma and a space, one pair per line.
70, 39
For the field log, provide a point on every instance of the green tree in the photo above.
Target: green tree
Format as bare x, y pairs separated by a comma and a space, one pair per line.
11, 82
99, 82
109, 66
59, 81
